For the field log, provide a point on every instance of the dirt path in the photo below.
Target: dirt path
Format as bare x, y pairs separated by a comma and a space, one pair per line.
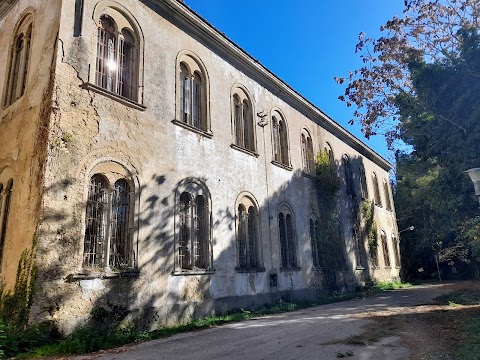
401, 324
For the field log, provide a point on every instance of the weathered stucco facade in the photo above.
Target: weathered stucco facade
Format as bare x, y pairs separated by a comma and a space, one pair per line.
70, 127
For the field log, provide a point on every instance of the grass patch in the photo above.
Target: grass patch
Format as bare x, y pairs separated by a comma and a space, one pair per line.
392, 285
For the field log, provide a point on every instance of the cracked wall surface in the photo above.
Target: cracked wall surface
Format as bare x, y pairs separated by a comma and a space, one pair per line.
89, 129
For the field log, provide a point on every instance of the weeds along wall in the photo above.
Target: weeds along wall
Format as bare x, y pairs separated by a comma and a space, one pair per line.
182, 180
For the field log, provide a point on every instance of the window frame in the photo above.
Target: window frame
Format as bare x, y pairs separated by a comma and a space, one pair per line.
192, 63
348, 176
385, 250
124, 20
388, 199
315, 241
376, 190
238, 142
289, 260
280, 140
6, 193
396, 251
307, 152
19, 60
363, 181
247, 201
195, 189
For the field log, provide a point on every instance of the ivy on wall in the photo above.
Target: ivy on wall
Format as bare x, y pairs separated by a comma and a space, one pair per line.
15, 304
368, 216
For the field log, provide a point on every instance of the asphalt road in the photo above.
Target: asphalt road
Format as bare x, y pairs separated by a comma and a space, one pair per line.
306, 334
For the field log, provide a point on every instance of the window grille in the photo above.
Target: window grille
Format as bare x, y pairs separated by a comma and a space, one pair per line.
396, 251
107, 242
388, 203
5, 202
116, 59
193, 246
287, 241
386, 256
96, 222
19, 60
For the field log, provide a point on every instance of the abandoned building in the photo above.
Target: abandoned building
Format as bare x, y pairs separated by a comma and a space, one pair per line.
147, 163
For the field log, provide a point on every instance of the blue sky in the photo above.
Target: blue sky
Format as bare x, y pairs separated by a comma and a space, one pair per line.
285, 36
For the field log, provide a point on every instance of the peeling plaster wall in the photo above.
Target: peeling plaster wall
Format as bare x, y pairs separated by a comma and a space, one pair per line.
24, 126
89, 127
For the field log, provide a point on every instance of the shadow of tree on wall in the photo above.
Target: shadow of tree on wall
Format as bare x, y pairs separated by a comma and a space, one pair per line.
155, 296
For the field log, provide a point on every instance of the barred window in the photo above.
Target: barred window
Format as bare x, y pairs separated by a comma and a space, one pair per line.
116, 61
388, 201
247, 235
243, 120
192, 93
17, 72
280, 140
108, 227
193, 237
376, 190
308, 160
363, 182
386, 255
5, 203
315, 240
287, 239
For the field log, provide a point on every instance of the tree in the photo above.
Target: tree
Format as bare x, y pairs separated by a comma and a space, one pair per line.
432, 193
427, 30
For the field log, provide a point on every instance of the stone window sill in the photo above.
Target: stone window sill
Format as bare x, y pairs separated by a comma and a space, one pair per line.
244, 150
88, 275
121, 99
360, 268
206, 133
192, 272
281, 165
250, 270
290, 269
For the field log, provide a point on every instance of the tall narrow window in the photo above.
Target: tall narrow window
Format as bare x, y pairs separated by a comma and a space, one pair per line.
386, 190
116, 60
193, 239
363, 182
247, 232
243, 120
347, 168
376, 190
280, 140
287, 239
107, 242
192, 93
5, 202
315, 241
307, 153
331, 157
386, 255
396, 251
17, 73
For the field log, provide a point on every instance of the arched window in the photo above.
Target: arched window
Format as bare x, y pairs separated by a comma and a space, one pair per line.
315, 240
331, 157
386, 255
193, 235
108, 223
5, 203
247, 234
117, 60
243, 120
347, 168
376, 190
396, 251
17, 72
363, 182
192, 90
308, 160
386, 190
280, 140
288, 247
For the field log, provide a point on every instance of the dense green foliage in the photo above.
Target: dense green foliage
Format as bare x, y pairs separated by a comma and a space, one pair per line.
440, 122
